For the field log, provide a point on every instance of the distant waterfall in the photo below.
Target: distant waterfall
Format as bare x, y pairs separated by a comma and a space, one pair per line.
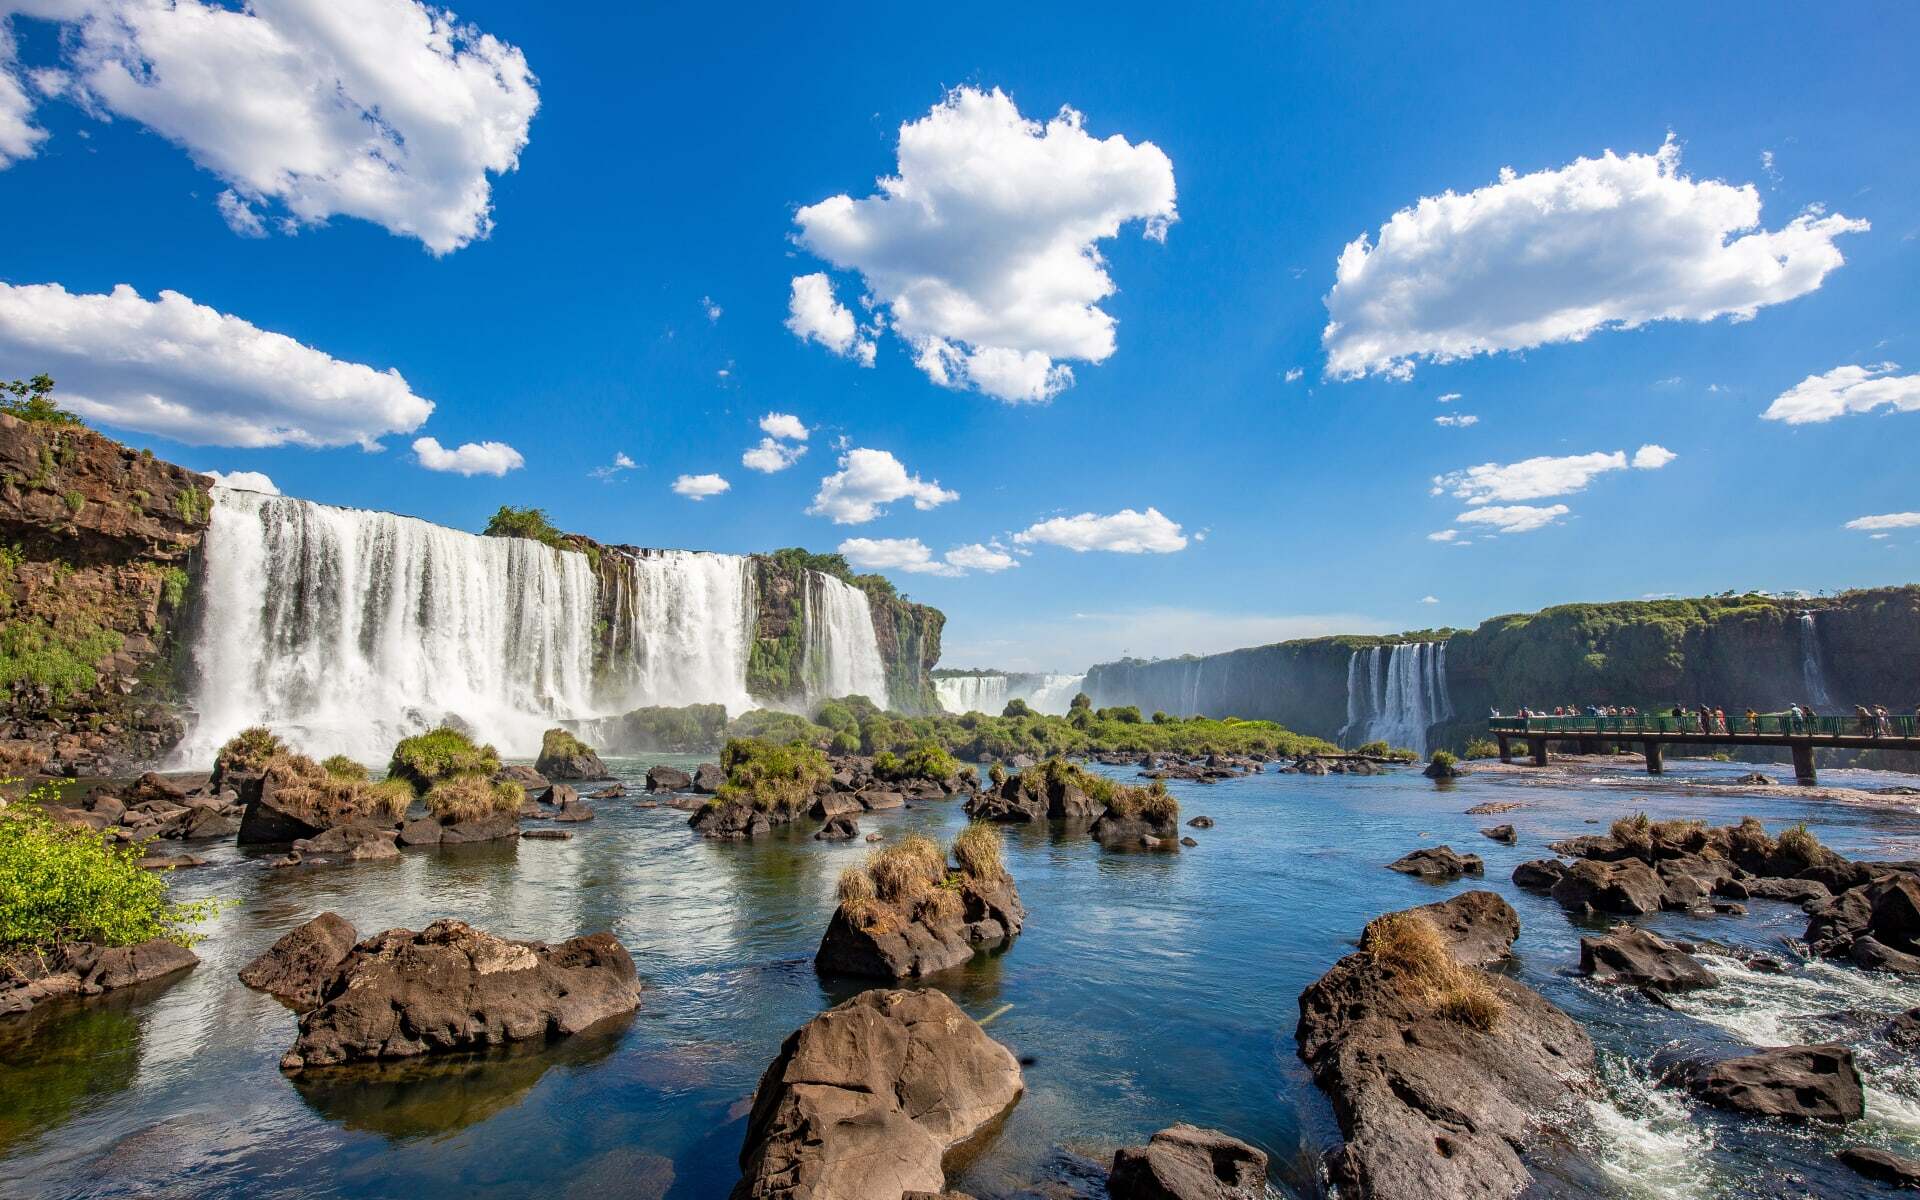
1395, 694
1051, 694
346, 630
842, 653
1812, 671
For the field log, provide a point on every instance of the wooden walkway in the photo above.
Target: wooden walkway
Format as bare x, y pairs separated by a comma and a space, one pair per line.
1654, 734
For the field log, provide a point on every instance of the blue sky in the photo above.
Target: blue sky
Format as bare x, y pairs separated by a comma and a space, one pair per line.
672, 152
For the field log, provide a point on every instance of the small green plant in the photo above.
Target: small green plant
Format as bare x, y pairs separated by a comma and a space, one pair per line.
193, 505
1446, 760
426, 759
69, 883
339, 766
75, 502
928, 761
173, 587
57, 657
469, 797
32, 400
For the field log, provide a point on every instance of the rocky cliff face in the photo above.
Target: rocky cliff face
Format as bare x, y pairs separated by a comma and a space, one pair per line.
1732, 651
908, 635
97, 543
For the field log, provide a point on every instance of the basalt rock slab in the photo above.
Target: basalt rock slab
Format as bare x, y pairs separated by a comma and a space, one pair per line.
1501, 833
1882, 1166
1115, 832
708, 778
530, 780
583, 765
401, 994
297, 967
729, 821
663, 778
1184, 1162
912, 939
1431, 1105
1627, 887
1539, 875
1797, 1083
1634, 957
1438, 863
838, 829
83, 969
1479, 927
864, 1101
347, 844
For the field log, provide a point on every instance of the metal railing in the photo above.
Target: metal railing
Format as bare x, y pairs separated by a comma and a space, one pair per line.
1766, 725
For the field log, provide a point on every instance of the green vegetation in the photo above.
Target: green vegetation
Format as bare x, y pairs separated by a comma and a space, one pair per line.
1800, 842
1446, 760
57, 656
470, 797
247, 751
928, 760
426, 759
1422, 967
775, 779
339, 766
74, 502
1482, 748
173, 587
32, 400
559, 743
529, 523
68, 883
194, 506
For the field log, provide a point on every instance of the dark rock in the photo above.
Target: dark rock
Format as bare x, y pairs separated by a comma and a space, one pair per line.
880, 801
578, 810
1016, 806
491, 828
913, 938
548, 835
424, 832
616, 791
834, 804
1187, 1163
708, 778
1882, 1166
1439, 770
729, 820
1493, 808
1792, 1082
1438, 863
1636, 958
1628, 887
297, 967
1871, 953
281, 807
1479, 927
347, 844
1187, 841
864, 1101
530, 780
838, 829
1789, 891
559, 795
1540, 874
28, 978
1502, 833
401, 994
1903, 1031
170, 862
668, 779
1115, 832
1432, 1105
582, 765
1201, 823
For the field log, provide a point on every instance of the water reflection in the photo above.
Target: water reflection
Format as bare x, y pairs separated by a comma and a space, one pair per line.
56, 1059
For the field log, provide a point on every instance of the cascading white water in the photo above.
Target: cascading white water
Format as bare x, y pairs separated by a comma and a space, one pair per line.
1396, 693
1813, 672
346, 630
842, 653
990, 694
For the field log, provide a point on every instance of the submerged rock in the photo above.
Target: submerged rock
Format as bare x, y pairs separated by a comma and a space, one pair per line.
1634, 957
1804, 1083
663, 778
1437, 1091
29, 978
1883, 1166
1501, 833
1184, 1162
401, 994
1438, 862
296, 968
838, 829
864, 1101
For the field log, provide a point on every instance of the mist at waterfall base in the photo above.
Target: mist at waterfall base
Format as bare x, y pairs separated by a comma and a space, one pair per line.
345, 630
990, 693
1145, 990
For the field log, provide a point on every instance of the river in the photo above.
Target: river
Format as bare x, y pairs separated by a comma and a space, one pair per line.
1146, 989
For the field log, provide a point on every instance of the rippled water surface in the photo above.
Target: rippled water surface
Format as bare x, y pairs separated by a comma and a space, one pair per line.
1146, 988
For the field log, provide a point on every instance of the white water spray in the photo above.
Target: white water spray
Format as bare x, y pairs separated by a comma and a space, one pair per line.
842, 653
1396, 693
990, 694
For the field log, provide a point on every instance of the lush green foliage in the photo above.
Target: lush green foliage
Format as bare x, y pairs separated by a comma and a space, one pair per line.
928, 760
32, 400
440, 754
773, 777
692, 729
339, 766
775, 726
468, 797
58, 656
1482, 748
68, 883
560, 743
1445, 759
249, 750
531, 523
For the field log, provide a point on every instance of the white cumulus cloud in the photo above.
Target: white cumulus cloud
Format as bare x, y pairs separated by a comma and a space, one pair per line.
1124, 532
982, 248
814, 315
1443, 535
610, 472
391, 111
1461, 421
1652, 458
1554, 256
183, 371
770, 456
699, 487
1429, 599
1846, 390
912, 555
470, 458
977, 557
869, 480
1905, 520
1535, 478
245, 481
1514, 518
784, 425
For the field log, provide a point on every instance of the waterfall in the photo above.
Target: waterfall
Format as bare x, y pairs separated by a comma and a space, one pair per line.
346, 630
842, 653
1396, 693
990, 693
1812, 672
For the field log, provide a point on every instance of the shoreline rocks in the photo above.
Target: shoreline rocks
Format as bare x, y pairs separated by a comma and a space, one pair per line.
82, 969
1438, 863
864, 1101
296, 968
1802, 1083
1184, 1162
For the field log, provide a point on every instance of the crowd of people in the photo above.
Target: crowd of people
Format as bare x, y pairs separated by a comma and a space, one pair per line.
1870, 720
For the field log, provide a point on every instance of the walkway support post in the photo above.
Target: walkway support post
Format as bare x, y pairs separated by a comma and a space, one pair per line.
1506, 749
1539, 750
1656, 758
1803, 765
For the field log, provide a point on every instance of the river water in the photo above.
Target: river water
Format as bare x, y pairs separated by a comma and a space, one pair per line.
1146, 989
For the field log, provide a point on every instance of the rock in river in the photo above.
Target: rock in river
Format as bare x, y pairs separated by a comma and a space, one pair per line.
907, 914
453, 987
297, 967
1438, 863
864, 1101
1183, 1162
1634, 957
663, 778
1792, 1082
1628, 887
28, 978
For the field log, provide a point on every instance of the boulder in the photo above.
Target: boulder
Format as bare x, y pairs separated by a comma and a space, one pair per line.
864, 1101
170, 862
490, 828
729, 820
297, 967
1627, 887
1183, 1162
1479, 927
879, 801
559, 795
1882, 1166
1201, 823
1438, 863
615, 791
1870, 952
1540, 874
1431, 1103
583, 763
1788, 891
668, 779
423, 832
281, 807
838, 829
1798, 1083
1007, 805
28, 978
347, 844
1501, 833
1437, 769
708, 778
915, 938
1886, 910
401, 994
834, 804
530, 780
1634, 957
577, 810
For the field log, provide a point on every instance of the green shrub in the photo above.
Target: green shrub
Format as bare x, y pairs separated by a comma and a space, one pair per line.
845, 742
173, 587
775, 779
772, 725
32, 400
1017, 707
57, 656
1483, 748
440, 754
247, 751
559, 743
1445, 759
68, 883
886, 765
531, 523
339, 766
469, 797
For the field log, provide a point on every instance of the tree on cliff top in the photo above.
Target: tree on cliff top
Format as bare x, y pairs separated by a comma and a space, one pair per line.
524, 523
32, 400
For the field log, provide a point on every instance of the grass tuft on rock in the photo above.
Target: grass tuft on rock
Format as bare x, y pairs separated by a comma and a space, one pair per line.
560, 743
471, 797
776, 779
906, 870
1413, 948
1799, 841
341, 767
426, 759
977, 849
248, 751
